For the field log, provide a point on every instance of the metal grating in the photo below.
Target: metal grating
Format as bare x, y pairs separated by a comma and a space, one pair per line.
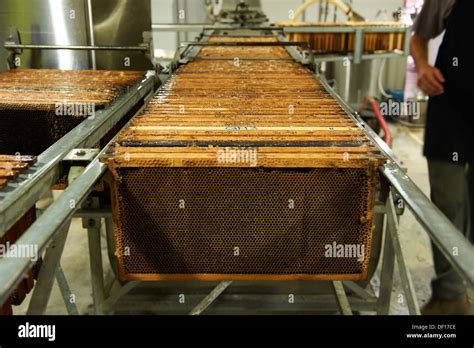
181, 212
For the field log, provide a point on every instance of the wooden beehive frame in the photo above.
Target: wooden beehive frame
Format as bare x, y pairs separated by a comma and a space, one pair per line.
343, 42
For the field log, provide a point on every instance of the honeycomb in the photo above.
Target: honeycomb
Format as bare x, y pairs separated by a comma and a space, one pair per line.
280, 220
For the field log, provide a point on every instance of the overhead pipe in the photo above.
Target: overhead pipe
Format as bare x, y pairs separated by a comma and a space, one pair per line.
351, 15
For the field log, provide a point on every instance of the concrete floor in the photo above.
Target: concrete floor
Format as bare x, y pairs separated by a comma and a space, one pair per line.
407, 145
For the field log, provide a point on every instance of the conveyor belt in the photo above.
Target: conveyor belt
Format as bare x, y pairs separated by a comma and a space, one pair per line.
11, 166
39, 106
236, 155
44, 88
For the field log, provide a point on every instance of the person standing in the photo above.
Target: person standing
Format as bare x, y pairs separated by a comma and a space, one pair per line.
449, 135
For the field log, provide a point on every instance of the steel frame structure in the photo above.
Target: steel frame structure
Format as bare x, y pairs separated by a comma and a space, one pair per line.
51, 228
359, 32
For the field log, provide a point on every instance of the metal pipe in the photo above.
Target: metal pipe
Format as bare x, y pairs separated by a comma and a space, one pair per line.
249, 43
342, 6
174, 27
76, 47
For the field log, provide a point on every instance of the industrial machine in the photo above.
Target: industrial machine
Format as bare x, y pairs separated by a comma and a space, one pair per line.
248, 192
234, 184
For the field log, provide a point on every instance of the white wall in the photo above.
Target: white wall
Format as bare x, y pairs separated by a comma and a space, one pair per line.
164, 11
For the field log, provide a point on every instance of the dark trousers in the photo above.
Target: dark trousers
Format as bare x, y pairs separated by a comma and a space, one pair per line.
452, 191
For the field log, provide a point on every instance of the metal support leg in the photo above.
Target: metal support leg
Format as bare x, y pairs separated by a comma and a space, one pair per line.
358, 45
45, 281
341, 297
358, 290
407, 282
386, 277
66, 292
209, 299
109, 233
95, 255
117, 291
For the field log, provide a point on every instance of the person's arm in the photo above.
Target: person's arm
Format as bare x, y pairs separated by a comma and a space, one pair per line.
430, 79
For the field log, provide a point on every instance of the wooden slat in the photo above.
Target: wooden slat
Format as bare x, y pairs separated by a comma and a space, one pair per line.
8, 173
10, 158
42, 89
122, 150
11, 166
253, 102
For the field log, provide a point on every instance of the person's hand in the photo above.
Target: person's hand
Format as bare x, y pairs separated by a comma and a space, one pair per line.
430, 80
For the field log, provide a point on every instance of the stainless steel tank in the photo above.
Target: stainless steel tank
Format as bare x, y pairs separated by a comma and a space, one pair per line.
65, 22
61, 22
121, 23
353, 82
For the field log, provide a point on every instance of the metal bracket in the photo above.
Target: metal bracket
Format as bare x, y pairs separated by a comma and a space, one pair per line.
407, 282
45, 281
13, 38
81, 155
